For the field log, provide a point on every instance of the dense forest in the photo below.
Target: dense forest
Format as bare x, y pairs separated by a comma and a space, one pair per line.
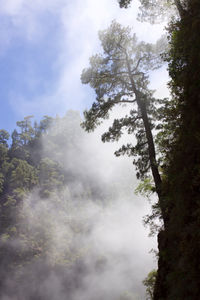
63, 216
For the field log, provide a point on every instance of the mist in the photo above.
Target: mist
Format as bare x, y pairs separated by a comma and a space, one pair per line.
78, 233
86, 240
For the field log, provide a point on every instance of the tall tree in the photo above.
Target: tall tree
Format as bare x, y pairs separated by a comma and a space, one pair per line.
119, 77
179, 247
154, 11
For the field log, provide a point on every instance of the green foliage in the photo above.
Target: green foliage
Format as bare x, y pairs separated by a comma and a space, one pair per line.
36, 201
27, 132
119, 78
153, 220
23, 175
45, 124
4, 136
145, 188
1, 182
157, 10
149, 283
50, 177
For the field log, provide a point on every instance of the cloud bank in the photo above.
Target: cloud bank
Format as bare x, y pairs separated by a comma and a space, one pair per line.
87, 240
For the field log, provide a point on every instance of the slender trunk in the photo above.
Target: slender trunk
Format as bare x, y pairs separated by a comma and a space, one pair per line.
151, 146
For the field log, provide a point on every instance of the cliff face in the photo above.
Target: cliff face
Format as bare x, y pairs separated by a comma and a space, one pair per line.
179, 244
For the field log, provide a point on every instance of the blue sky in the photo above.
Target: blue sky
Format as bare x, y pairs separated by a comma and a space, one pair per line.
45, 45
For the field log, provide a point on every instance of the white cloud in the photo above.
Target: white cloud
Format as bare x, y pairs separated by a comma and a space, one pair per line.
78, 40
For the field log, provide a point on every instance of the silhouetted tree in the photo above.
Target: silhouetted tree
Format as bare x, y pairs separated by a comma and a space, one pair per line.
119, 77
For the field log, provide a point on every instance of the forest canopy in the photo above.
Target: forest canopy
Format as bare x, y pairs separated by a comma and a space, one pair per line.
55, 209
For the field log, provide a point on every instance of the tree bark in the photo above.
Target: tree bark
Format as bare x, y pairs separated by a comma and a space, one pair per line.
151, 146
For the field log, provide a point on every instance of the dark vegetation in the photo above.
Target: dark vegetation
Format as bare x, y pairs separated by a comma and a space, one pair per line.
179, 242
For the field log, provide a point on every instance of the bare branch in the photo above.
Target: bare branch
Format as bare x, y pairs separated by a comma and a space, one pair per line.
138, 63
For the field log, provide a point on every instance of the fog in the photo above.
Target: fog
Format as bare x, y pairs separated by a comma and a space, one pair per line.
84, 240
89, 238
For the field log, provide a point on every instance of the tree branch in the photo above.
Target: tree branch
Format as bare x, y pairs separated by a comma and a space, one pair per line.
138, 63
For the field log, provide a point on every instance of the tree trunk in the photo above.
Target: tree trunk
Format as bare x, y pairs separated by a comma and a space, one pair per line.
151, 146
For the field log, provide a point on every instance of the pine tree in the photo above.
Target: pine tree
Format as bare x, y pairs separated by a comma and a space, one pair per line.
119, 77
